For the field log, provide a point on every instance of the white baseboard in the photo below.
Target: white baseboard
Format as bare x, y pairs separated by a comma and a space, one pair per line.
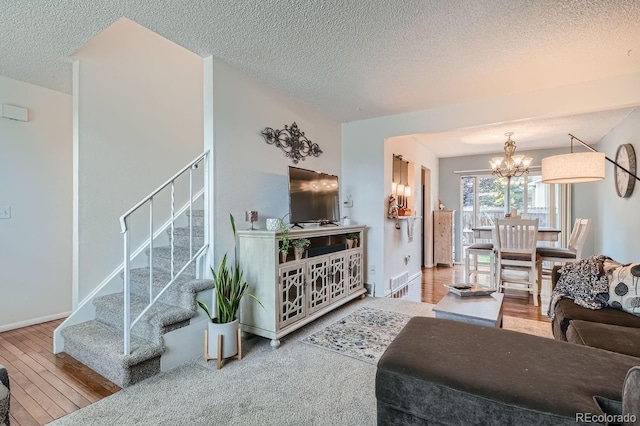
34, 321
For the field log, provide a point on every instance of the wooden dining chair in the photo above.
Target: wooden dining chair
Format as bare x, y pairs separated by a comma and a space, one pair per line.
472, 264
572, 253
517, 260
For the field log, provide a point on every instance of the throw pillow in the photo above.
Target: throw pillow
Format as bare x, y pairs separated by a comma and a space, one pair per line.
624, 289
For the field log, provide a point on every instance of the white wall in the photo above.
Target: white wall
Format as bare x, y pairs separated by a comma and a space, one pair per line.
364, 153
617, 227
397, 244
35, 171
139, 120
249, 173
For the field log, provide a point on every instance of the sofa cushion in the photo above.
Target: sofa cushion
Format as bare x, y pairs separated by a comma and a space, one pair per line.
566, 310
614, 338
631, 395
624, 292
445, 372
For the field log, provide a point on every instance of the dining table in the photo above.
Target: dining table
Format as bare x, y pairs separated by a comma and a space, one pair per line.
544, 233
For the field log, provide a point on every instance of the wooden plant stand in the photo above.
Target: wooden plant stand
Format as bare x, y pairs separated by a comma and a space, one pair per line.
219, 358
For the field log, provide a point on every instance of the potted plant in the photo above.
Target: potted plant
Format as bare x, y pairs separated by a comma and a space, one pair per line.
299, 244
352, 239
285, 242
230, 287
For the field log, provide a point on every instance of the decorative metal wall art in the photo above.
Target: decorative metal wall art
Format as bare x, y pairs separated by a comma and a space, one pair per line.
292, 141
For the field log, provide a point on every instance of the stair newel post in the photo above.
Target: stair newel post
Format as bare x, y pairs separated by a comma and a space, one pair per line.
208, 201
126, 290
173, 213
150, 249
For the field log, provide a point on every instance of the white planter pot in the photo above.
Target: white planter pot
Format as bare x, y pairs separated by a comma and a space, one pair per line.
273, 224
229, 332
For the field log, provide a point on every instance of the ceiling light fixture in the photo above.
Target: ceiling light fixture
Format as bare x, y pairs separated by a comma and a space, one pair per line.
510, 166
576, 167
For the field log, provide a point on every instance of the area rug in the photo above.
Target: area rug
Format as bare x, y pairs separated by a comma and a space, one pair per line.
364, 334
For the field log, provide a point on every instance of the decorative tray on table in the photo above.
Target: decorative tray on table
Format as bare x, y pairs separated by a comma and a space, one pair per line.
465, 290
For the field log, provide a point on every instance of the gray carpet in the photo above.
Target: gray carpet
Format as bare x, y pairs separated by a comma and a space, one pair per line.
297, 384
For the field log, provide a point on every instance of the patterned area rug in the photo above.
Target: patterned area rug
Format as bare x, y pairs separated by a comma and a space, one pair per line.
364, 334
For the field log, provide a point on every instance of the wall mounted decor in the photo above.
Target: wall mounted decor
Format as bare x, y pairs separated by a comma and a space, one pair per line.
292, 141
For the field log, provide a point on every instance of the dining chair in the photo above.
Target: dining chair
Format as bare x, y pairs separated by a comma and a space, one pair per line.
517, 264
572, 253
472, 264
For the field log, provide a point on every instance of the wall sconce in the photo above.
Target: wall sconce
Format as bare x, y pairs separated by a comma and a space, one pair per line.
400, 184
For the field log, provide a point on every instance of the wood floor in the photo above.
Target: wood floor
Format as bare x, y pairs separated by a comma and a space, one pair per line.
432, 289
45, 386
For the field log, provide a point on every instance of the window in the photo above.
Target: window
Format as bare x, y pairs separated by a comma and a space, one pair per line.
483, 201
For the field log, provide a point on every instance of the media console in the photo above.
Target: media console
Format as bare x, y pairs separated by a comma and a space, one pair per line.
297, 292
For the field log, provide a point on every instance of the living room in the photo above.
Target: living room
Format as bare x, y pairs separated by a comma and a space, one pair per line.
80, 229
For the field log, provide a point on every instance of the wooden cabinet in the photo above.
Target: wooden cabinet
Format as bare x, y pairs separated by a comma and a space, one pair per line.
443, 237
296, 292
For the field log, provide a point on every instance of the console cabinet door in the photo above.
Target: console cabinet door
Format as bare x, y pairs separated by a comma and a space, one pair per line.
291, 290
318, 283
354, 268
338, 276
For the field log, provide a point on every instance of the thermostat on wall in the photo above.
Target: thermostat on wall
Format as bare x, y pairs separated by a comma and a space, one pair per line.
13, 112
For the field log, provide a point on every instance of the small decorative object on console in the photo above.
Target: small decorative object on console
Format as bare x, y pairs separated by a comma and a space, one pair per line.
251, 216
273, 223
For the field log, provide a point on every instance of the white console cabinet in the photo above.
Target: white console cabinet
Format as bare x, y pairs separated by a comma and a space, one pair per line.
297, 292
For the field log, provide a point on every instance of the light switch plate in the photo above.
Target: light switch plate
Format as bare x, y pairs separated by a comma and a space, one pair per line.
5, 212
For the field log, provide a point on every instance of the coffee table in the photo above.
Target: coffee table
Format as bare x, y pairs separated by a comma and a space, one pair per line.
480, 310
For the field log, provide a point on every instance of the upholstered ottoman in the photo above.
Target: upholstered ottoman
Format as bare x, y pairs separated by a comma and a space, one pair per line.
5, 396
567, 310
614, 338
445, 372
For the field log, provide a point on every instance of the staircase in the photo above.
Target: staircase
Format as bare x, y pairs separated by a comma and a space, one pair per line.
143, 318
98, 343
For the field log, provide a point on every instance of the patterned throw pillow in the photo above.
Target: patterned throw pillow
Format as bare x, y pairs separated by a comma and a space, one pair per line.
624, 287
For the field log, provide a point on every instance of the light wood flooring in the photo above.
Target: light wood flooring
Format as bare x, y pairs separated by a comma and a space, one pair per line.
45, 386
432, 289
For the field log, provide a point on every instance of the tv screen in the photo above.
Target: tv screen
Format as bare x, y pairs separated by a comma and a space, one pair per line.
313, 196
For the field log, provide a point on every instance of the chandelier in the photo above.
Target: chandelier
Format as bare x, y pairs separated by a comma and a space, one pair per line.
511, 165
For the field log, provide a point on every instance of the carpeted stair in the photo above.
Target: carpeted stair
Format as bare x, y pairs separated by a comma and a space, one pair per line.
99, 343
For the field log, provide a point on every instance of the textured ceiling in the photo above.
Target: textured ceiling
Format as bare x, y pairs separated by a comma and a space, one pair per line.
528, 134
361, 59
350, 59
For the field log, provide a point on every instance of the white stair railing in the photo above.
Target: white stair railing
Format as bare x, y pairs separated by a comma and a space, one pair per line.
202, 159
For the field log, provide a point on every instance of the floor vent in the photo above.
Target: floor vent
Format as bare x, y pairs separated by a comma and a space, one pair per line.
399, 281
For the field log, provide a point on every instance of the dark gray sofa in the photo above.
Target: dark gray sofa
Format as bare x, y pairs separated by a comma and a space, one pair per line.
607, 328
450, 373
5, 396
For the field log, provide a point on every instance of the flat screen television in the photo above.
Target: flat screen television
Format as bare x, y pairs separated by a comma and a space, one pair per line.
313, 196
